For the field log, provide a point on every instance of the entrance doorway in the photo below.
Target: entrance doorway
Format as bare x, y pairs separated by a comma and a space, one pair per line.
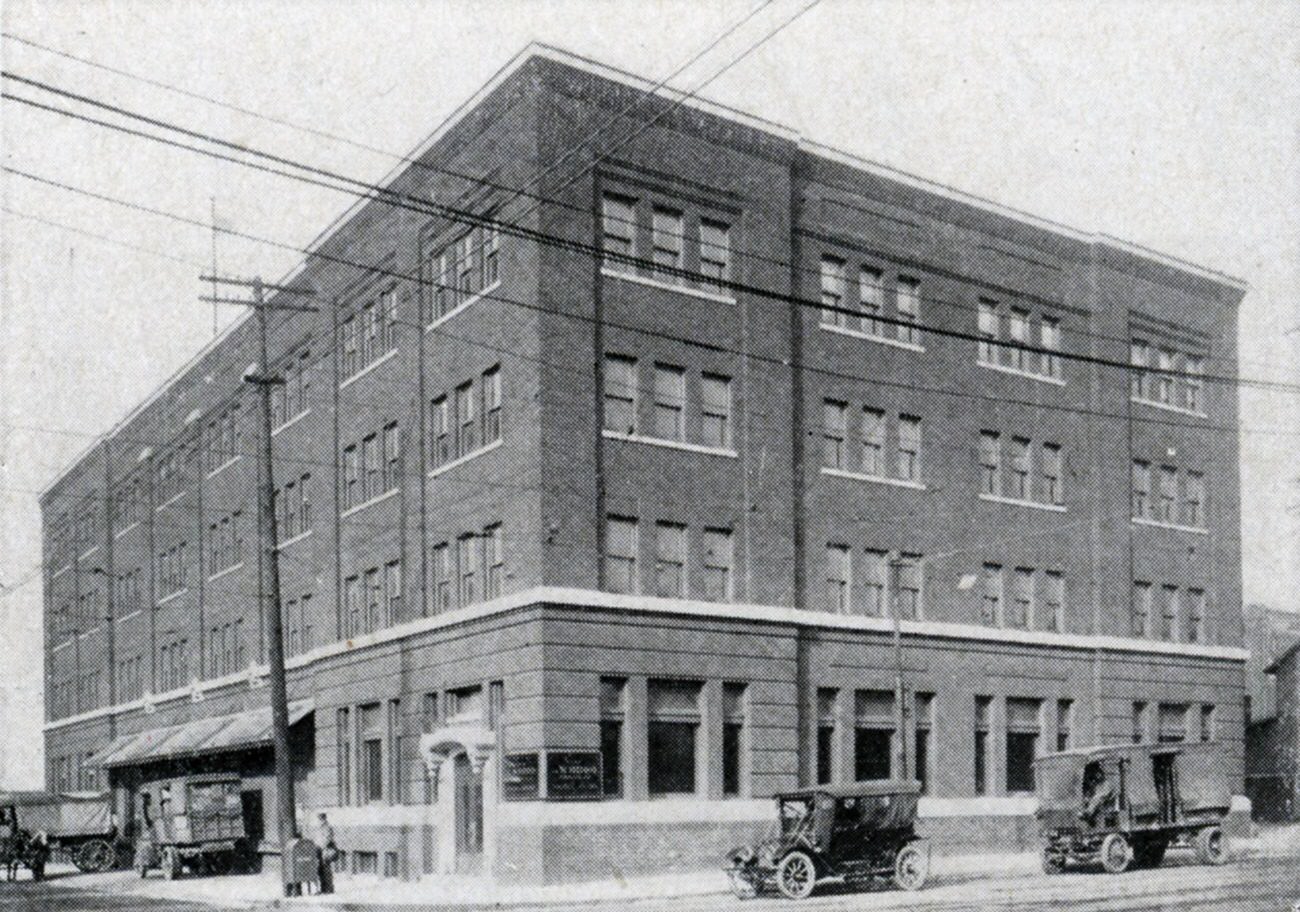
469, 817
251, 807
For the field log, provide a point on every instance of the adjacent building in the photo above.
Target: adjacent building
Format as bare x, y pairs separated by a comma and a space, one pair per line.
606, 474
1273, 713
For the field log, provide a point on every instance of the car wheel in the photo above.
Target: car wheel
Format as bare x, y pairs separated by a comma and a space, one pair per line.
95, 857
1053, 861
911, 867
1211, 846
1116, 854
796, 876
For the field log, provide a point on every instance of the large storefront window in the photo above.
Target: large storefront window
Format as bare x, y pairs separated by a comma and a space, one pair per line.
673, 709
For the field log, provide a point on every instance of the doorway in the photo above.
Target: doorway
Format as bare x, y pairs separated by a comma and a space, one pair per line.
251, 807
469, 817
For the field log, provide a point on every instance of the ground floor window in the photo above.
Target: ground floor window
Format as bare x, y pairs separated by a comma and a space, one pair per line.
1023, 730
983, 706
673, 710
613, 697
733, 737
826, 726
1172, 723
873, 736
365, 862
924, 725
371, 760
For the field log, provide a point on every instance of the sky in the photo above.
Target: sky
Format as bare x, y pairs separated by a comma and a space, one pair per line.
1175, 125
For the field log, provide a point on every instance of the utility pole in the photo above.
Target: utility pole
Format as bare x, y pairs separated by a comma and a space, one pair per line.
267, 534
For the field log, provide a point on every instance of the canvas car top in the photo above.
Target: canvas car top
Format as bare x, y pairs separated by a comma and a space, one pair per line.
1101, 751
856, 789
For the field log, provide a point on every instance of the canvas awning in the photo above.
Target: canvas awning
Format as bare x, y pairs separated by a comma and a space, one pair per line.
215, 734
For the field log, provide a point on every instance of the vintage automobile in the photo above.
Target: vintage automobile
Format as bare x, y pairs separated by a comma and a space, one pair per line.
855, 833
1123, 805
192, 822
78, 826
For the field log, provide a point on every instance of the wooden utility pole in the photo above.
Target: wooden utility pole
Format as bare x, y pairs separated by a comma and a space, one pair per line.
268, 581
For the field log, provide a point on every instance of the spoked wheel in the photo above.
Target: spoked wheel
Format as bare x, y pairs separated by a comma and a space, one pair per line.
94, 856
911, 867
1211, 846
1116, 854
796, 876
1053, 861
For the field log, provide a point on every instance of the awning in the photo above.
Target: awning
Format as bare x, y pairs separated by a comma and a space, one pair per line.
202, 736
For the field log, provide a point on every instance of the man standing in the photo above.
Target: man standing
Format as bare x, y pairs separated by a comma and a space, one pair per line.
327, 852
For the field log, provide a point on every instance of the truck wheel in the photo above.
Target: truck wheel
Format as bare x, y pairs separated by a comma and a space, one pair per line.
796, 876
1116, 854
94, 856
1211, 846
911, 867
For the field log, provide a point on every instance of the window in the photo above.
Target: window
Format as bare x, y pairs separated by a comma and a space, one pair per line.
1195, 615
613, 696
873, 734
1193, 384
1171, 723
392, 592
1168, 612
673, 720
1194, 500
827, 725
620, 394
465, 436
1064, 723
1139, 721
1053, 489
838, 578
371, 755
490, 237
715, 395
924, 725
1021, 462
371, 484
352, 599
988, 331
718, 557
1053, 615
1018, 329
618, 225
876, 582
991, 602
1021, 607
670, 560
909, 310
733, 737
666, 239
990, 463
343, 757
909, 448
374, 600
620, 554
1167, 508
1140, 359
465, 704
907, 586
871, 293
351, 477
1023, 729
1050, 334
1141, 489
715, 253
670, 402
494, 560
491, 389
834, 430
1165, 380
441, 562
833, 281
1141, 608
1208, 732
440, 429
873, 442
392, 468
467, 555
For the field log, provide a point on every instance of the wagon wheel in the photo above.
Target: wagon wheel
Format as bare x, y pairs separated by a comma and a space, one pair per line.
1116, 854
911, 867
1211, 846
94, 856
796, 876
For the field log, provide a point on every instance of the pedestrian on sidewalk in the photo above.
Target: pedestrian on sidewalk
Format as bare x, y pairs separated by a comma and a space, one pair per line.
326, 852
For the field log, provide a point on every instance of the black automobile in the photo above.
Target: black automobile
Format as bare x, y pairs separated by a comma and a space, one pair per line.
854, 833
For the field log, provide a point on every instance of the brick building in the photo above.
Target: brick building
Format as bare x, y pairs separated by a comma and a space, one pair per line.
584, 553
1273, 713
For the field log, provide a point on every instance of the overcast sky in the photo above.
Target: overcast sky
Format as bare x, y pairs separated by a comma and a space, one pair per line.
1171, 124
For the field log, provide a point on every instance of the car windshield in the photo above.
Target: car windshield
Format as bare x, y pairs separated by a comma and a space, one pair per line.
796, 816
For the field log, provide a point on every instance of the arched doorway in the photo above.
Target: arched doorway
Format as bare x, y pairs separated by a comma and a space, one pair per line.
462, 764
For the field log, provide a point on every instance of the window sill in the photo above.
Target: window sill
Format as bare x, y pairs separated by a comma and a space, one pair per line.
382, 359
226, 571
172, 596
671, 444
296, 418
120, 532
1017, 372
89, 633
89, 552
127, 617
472, 299
1158, 524
875, 479
1017, 502
1168, 407
871, 337
175, 497
612, 273
297, 538
217, 471
392, 492
60, 572
461, 460
64, 645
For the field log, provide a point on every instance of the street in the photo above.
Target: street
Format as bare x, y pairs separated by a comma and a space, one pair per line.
1252, 884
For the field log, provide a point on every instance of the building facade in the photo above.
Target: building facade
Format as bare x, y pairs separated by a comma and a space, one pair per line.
606, 476
1273, 714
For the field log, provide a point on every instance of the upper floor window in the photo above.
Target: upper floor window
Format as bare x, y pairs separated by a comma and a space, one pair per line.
371, 468
670, 402
292, 397
620, 394
670, 559
1165, 374
717, 565
909, 310
833, 281
370, 332
462, 268
1170, 502
715, 428
621, 554
674, 398
687, 247
667, 236
909, 448
1033, 473
860, 307
715, 252
467, 420
839, 578
834, 434
225, 543
618, 224
225, 438
1011, 348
